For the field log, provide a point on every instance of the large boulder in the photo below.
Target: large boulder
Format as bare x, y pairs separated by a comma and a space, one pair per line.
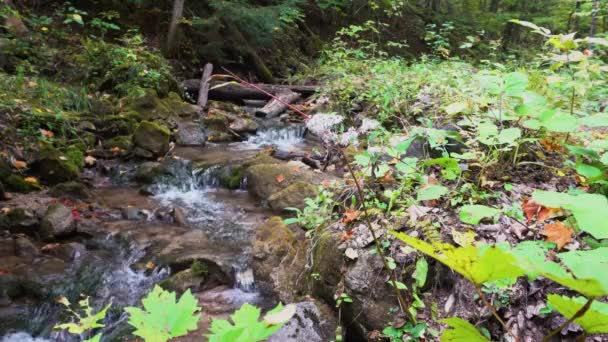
189, 133
53, 167
167, 109
279, 259
225, 119
292, 196
57, 221
312, 322
152, 138
72, 189
263, 180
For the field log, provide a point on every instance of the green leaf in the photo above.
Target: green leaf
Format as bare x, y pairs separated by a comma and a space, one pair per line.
461, 331
580, 270
473, 214
595, 319
509, 135
589, 171
455, 108
589, 210
477, 264
162, 317
604, 158
515, 83
421, 272
431, 192
245, 327
600, 120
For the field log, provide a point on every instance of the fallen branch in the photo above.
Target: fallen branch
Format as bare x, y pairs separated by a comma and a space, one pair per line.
203, 94
219, 90
277, 106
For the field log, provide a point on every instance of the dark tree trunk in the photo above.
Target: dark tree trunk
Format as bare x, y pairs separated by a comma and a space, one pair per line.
176, 15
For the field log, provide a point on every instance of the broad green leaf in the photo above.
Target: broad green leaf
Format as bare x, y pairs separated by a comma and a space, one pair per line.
421, 272
509, 136
589, 210
535, 28
461, 331
162, 317
473, 214
595, 121
455, 108
431, 192
515, 83
604, 158
246, 325
594, 321
477, 264
580, 272
588, 171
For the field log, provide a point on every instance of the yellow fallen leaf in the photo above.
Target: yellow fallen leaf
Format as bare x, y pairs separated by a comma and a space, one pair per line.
150, 265
90, 160
31, 180
18, 164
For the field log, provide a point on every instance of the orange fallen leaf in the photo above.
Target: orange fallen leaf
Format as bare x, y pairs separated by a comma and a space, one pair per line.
350, 215
31, 180
347, 235
533, 210
5, 210
46, 133
150, 265
387, 178
4, 271
558, 233
551, 145
325, 183
116, 150
49, 247
18, 164
279, 179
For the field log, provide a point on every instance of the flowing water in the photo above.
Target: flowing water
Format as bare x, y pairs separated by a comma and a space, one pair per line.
227, 218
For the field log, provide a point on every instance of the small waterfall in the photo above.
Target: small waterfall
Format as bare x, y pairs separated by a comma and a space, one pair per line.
284, 138
22, 337
244, 280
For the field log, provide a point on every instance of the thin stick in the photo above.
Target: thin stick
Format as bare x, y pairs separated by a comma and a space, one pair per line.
304, 115
392, 276
494, 313
578, 314
203, 93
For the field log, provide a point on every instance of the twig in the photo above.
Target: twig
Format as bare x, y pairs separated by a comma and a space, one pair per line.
494, 313
578, 314
404, 306
304, 115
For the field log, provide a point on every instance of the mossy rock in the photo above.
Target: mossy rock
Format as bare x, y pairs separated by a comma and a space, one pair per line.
149, 172
327, 261
115, 125
152, 137
182, 281
292, 196
71, 189
54, 167
75, 156
17, 183
232, 177
12, 220
122, 141
151, 107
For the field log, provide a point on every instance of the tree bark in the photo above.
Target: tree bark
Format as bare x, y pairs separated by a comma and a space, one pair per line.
594, 14
203, 94
274, 108
176, 15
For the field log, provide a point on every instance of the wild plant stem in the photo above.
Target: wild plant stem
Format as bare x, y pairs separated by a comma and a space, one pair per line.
404, 306
494, 313
578, 314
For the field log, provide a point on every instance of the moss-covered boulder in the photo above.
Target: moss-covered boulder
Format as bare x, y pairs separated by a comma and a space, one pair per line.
148, 172
123, 142
226, 122
279, 259
264, 180
17, 183
292, 196
57, 221
72, 189
151, 137
182, 281
53, 167
151, 107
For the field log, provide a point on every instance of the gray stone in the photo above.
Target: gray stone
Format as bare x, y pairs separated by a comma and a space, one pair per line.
189, 134
25, 248
57, 221
131, 213
308, 324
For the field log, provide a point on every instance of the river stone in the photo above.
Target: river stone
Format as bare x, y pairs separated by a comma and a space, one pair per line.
189, 134
53, 167
73, 189
131, 213
25, 248
279, 259
263, 180
57, 221
151, 137
182, 281
312, 322
292, 196
69, 251
7, 246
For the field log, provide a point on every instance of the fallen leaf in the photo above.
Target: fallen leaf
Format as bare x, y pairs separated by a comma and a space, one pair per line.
464, 239
550, 144
150, 265
281, 316
417, 212
18, 164
63, 300
49, 247
90, 160
31, 180
351, 253
347, 235
387, 178
279, 179
558, 233
350, 215
46, 133
64, 158
116, 150
325, 183
5, 210
533, 210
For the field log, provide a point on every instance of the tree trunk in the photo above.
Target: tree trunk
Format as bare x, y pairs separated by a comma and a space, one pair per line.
274, 108
176, 15
203, 93
494, 5
237, 92
594, 14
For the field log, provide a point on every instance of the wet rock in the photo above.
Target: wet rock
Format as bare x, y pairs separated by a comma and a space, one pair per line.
152, 138
2, 192
54, 167
148, 172
312, 322
223, 118
17, 183
189, 134
73, 189
25, 248
152, 107
279, 259
69, 251
292, 196
57, 221
263, 180
179, 217
7, 246
132, 213
244, 125
40, 277
18, 220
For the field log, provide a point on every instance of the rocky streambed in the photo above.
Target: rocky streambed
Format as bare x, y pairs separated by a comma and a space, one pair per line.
202, 218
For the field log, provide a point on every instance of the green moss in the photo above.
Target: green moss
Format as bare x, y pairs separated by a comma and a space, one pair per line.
54, 167
12, 218
150, 106
199, 269
16, 183
152, 137
75, 156
121, 141
231, 178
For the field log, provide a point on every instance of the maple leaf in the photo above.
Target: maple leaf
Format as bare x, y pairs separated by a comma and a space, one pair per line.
558, 233
551, 145
280, 179
533, 210
350, 215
